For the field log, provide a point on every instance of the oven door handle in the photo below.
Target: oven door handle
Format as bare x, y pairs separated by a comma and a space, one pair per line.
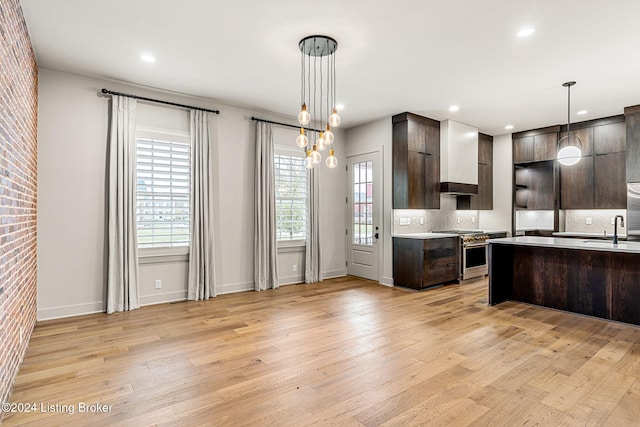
475, 245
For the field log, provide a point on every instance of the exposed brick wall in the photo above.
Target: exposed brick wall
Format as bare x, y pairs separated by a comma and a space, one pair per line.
18, 191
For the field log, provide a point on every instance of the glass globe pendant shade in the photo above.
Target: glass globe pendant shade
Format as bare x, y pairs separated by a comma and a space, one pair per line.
328, 136
303, 116
569, 155
308, 161
302, 140
334, 119
331, 161
321, 143
316, 157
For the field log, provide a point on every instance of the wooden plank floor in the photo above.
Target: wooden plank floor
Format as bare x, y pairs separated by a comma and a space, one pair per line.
342, 352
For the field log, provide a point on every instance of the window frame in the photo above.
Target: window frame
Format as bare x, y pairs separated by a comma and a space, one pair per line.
147, 255
295, 244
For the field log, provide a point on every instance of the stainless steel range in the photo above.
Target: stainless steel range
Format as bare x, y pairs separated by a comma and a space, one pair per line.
474, 250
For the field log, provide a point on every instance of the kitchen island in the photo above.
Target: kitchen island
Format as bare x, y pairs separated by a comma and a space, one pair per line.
592, 277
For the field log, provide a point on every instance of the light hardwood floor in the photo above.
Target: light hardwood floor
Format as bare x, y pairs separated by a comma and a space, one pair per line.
342, 352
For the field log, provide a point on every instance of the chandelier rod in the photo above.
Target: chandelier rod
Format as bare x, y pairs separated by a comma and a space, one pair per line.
257, 119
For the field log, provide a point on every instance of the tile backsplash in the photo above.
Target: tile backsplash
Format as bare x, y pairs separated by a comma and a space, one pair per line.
594, 221
426, 220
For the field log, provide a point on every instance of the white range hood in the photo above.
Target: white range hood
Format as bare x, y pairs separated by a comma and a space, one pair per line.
458, 158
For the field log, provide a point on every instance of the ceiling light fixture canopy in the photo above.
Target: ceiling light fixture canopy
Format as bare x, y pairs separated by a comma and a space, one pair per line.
318, 97
569, 146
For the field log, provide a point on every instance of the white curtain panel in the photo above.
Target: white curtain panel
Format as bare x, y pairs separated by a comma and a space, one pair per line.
265, 250
202, 283
122, 274
312, 253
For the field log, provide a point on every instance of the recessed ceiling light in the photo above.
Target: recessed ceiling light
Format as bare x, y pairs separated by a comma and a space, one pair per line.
508, 127
454, 108
582, 112
339, 107
526, 32
148, 58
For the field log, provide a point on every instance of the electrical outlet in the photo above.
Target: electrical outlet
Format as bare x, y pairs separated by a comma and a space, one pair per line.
294, 267
589, 221
405, 220
458, 220
421, 220
158, 284
473, 219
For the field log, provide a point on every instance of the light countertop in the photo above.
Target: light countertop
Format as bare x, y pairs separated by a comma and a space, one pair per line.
593, 235
423, 236
566, 243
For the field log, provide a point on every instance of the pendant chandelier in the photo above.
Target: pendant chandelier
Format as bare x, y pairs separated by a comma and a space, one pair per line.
318, 98
570, 146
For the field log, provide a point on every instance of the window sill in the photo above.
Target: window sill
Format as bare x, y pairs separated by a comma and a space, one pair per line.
163, 255
291, 246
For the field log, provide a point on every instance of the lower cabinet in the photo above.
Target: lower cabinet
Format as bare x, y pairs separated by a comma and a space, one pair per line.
421, 263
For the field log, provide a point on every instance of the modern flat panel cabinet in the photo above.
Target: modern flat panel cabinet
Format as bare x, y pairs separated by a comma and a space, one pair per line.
610, 181
540, 186
577, 185
416, 162
597, 181
632, 116
535, 148
484, 199
421, 263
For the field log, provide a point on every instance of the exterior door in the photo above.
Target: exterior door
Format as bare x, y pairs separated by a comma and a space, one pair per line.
364, 203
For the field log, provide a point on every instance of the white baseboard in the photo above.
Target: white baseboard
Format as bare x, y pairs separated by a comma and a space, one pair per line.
70, 310
387, 281
163, 298
333, 273
290, 280
236, 287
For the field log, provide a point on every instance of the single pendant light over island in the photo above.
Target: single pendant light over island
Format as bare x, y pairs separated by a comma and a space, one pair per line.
570, 146
318, 96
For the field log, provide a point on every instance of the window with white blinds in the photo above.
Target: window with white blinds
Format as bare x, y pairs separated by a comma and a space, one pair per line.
163, 186
291, 197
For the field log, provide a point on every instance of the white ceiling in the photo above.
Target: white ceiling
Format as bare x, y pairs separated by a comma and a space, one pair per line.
393, 56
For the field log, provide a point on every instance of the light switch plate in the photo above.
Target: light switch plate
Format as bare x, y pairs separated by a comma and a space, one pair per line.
589, 221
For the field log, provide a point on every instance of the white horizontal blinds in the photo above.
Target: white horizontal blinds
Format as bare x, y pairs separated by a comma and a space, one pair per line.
163, 185
291, 197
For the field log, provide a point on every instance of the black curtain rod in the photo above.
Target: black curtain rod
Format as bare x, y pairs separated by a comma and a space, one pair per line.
256, 119
110, 92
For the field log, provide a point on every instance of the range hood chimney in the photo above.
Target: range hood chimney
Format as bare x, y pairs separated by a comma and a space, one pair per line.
458, 158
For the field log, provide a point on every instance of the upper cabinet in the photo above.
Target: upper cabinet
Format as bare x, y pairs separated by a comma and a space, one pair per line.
534, 153
632, 116
484, 199
416, 162
597, 181
535, 146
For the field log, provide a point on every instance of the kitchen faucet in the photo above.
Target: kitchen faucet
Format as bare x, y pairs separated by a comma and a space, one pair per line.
615, 227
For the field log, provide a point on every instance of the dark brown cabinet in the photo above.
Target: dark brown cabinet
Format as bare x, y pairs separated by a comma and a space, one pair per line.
610, 181
484, 199
534, 186
421, 263
577, 185
535, 146
597, 181
632, 116
523, 149
416, 162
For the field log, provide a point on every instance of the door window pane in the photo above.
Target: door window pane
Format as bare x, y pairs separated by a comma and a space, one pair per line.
363, 203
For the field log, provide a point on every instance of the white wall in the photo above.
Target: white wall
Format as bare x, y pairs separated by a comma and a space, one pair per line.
377, 135
500, 217
72, 152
